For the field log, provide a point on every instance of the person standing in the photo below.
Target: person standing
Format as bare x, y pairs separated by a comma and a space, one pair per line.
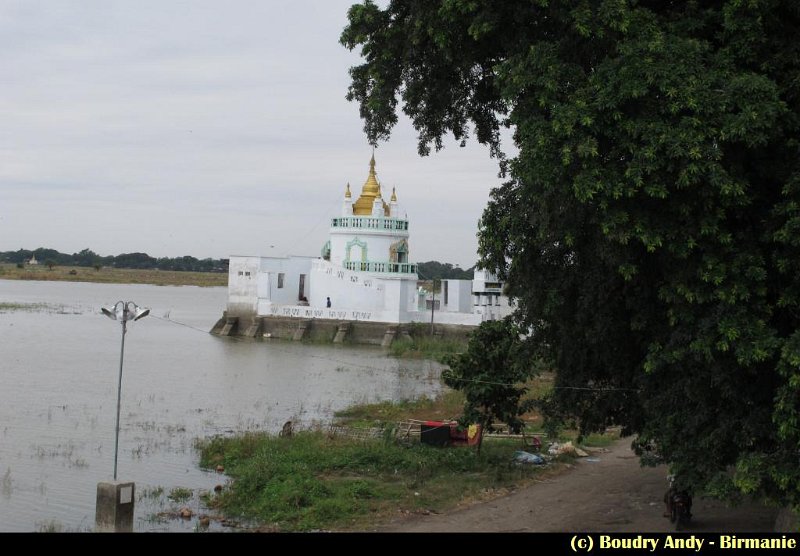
329, 303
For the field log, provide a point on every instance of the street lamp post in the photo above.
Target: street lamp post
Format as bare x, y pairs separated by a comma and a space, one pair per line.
122, 311
115, 500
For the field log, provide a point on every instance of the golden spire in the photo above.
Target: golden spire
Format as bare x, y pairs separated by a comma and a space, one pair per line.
347, 193
394, 195
369, 192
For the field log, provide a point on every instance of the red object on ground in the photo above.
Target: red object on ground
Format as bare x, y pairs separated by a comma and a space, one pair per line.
469, 436
448, 433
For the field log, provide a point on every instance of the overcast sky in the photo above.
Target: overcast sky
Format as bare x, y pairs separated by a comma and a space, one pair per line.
203, 128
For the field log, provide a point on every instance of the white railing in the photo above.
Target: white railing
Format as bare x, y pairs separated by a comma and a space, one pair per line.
370, 223
388, 268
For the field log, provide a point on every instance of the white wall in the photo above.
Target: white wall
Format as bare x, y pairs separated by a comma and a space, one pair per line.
366, 315
487, 296
378, 243
253, 289
347, 289
401, 297
291, 267
459, 296
253, 282
243, 284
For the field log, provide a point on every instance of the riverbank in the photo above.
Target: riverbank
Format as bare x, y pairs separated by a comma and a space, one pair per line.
108, 275
315, 480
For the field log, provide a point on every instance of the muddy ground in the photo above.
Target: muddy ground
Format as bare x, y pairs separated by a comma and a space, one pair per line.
608, 491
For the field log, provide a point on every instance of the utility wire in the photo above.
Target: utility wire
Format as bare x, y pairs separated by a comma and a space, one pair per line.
274, 347
372, 368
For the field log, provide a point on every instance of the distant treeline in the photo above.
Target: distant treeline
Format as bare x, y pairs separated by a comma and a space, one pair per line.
434, 270
87, 257
431, 270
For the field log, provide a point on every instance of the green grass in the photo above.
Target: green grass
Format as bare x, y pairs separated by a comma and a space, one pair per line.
449, 405
311, 482
595, 440
427, 347
180, 494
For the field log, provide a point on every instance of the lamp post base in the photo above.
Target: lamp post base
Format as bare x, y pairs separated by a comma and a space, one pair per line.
114, 510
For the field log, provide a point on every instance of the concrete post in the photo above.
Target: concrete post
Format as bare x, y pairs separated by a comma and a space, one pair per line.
389, 336
341, 333
114, 510
301, 330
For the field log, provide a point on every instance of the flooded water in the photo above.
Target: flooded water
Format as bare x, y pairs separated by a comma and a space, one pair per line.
59, 364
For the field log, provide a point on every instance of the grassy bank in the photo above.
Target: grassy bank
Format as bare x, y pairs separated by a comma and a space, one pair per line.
113, 275
426, 347
447, 406
314, 481
421, 344
309, 481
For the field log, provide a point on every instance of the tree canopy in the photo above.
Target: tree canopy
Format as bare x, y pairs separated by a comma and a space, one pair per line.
649, 227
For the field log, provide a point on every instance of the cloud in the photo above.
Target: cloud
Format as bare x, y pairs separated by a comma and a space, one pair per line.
222, 125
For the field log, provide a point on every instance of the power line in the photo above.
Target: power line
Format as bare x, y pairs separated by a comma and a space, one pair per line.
372, 368
274, 347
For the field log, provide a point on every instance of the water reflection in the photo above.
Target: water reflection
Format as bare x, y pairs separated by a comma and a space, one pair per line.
59, 360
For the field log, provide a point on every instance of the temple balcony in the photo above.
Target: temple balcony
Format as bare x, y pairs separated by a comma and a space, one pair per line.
381, 267
369, 223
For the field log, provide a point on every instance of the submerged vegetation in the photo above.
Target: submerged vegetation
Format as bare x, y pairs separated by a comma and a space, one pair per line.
180, 494
6, 307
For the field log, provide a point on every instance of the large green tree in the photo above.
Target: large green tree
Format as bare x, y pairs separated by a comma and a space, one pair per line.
492, 374
650, 225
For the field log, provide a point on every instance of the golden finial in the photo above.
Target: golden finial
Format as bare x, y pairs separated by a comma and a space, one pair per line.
369, 192
394, 195
347, 193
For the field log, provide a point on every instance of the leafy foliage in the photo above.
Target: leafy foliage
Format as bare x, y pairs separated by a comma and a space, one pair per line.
491, 374
650, 226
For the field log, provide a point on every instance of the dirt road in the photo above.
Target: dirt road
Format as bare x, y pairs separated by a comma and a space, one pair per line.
606, 492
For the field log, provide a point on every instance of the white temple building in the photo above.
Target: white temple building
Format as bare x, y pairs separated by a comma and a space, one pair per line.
364, 273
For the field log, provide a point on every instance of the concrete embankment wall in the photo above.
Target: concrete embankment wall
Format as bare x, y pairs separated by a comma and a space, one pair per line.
327, 330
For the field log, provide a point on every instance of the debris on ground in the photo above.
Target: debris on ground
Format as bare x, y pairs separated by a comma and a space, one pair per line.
568, 447
527, 457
